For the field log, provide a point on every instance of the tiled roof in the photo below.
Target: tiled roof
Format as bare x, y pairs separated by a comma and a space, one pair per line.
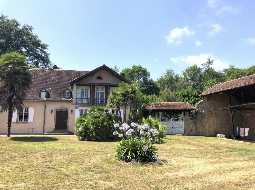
169, 106
230, 85
55, 81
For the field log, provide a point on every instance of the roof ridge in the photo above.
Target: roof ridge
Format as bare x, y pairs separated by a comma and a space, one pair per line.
206, 92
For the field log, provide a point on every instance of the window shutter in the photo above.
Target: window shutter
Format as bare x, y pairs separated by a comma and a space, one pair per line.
30, 115
14, 116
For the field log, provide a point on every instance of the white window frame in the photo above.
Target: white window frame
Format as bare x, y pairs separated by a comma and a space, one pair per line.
85, 97
24, 111
98, 90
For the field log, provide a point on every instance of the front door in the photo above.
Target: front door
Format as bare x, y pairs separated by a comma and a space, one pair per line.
61, 119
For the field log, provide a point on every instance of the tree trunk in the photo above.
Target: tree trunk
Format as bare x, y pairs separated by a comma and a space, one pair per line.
125, 113
10, 114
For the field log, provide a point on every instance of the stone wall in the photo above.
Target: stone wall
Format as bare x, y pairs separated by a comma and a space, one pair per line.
211, 118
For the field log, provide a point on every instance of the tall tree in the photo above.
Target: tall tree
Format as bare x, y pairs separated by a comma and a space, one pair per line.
20, 38
15, 79
141, 76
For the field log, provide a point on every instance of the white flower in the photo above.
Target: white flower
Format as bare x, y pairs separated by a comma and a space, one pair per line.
134, 125
129, 132
120, 135
145, 148
125, 126
115, 133
116, 125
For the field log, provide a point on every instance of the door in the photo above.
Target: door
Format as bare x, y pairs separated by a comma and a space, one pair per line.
61, 119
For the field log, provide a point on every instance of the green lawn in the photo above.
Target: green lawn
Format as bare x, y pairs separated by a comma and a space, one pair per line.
65, 163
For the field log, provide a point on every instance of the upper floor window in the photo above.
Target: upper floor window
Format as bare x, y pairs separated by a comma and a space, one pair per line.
23, 115
100, 94
99, 78
44, 94
83, 95
68, 94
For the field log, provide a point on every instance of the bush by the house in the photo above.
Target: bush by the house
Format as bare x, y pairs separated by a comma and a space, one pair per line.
97, 124
135, 149
155, 123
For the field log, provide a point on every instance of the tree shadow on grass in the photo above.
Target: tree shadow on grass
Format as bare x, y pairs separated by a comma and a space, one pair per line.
33, 139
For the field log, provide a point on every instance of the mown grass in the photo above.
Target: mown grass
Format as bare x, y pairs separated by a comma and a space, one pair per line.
63, 162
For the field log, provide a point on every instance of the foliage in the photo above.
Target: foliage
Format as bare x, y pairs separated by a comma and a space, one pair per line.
15, 80
135, 130
134, 149
141, 76
97, 124
188, 94
15, 37
155, 123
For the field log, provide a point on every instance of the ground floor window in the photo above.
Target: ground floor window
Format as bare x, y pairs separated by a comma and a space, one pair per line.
244, 132
23, 115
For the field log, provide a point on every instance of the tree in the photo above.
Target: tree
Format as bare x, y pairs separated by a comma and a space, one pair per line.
21, 39
15, 79
141, 76
127, 95
169, 81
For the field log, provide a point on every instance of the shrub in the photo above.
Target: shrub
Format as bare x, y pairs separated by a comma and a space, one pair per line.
134, 130
134, 149
97, 124
155, 123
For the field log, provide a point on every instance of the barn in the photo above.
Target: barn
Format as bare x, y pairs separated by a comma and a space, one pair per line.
227, 108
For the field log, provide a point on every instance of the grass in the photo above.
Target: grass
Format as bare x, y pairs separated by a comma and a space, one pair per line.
62, 162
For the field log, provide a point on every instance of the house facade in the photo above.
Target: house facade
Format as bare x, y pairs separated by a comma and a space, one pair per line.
56, 98
227, 108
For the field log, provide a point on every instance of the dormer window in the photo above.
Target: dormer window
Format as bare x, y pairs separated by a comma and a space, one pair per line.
99, 78
44, 94
68, 94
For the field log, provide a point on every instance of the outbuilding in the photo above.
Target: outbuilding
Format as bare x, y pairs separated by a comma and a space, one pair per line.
227, 108
171, 114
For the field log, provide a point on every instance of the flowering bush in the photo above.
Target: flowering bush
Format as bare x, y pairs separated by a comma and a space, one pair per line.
137, 142
134, 149
155, 123
134, 130
97, 124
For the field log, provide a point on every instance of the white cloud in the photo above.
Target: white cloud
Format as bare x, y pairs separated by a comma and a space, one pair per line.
220, 7
213, 3
200, 59
176, 35
198, 43
250, 41
215, 29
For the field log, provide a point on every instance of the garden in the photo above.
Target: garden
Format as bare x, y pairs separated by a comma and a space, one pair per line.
136, 141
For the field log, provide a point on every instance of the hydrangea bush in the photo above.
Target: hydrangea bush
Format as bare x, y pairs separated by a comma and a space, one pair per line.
135, 149
145, 131
137, 142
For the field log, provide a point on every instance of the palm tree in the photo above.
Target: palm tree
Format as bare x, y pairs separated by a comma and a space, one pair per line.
15, 78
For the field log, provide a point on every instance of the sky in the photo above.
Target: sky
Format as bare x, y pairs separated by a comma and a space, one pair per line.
157, 34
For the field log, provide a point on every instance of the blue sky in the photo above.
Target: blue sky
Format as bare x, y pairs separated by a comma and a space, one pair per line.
157, 34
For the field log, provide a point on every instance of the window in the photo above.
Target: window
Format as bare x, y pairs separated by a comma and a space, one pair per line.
68, 94
99, 78
22, 115
100, 94
44, 94
83, 95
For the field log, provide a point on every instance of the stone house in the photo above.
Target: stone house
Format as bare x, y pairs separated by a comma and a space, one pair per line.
56, 98
227, 108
